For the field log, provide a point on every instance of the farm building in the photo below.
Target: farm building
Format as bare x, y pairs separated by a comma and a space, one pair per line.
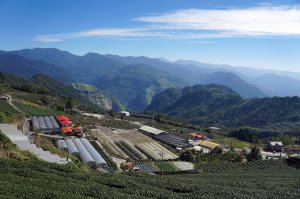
214, 128
64, 121
125, 113
4, 97
45, 124
72, 149
274, 146
95, 155
85, 156
197, 136
150, 130
208, 144
172, 140
61, 144
67, 130
82, 148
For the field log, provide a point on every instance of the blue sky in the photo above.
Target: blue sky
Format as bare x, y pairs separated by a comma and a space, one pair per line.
250, 33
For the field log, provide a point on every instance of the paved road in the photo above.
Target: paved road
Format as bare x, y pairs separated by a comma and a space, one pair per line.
21, 140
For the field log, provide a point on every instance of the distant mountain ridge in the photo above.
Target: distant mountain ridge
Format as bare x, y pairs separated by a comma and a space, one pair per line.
18, 65
278, 85
107, 72
92, 66
50, 55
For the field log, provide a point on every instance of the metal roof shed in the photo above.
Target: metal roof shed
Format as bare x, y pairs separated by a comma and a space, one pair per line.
42, 123
149, 129
61, 118
94, 153
48, 123
35, 123
72, 149
61, 144
84, 154
54, 123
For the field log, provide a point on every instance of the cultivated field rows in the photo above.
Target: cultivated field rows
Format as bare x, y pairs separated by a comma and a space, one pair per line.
132, 144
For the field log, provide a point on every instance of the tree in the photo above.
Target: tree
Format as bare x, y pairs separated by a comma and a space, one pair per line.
46, 100
254, 154
187, 156
217, 151
69, 103
232, 156
157, 118
111, 113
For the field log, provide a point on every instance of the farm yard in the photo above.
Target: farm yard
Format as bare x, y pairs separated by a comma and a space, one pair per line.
131, 143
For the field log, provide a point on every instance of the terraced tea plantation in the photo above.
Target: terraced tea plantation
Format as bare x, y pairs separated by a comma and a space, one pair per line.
260, 164
36, 179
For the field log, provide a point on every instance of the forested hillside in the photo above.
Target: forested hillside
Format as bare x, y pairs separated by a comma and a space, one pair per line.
135, 85
218, 105
94, 95
43, 90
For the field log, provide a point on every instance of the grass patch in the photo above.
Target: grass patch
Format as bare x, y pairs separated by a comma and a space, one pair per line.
233, 142
7, 113
34, 110
166, 166
84, 87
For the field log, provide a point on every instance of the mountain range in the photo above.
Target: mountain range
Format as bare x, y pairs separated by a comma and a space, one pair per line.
134, 81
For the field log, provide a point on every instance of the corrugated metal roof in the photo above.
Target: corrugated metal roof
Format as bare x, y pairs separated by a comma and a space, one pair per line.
208, 144
273, 143
151, 130
72, 149
67, 130
61, 117
66, 122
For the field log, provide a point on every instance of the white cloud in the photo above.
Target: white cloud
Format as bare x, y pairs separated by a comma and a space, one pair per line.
258, 21
113, 32
45, 38
263, 21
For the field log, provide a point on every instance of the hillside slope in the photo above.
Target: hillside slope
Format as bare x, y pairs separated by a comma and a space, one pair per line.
218, 105
135, 85
94, 95
65, 90
45, 91
234, 82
